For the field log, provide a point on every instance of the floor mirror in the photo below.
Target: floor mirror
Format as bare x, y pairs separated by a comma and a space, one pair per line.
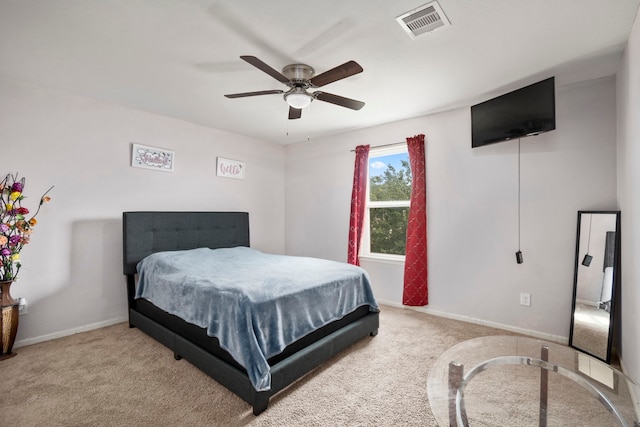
596, 282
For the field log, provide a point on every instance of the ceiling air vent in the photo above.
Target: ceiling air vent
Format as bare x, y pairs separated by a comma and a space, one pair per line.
423, 19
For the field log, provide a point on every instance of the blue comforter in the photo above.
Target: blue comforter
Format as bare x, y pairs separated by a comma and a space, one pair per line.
254, 303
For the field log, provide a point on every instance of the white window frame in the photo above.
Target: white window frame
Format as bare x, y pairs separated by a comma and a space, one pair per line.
365, 248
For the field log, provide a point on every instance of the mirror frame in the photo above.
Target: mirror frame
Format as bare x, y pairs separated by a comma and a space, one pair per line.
615, 286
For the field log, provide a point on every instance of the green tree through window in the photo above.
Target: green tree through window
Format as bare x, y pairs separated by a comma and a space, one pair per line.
389, 195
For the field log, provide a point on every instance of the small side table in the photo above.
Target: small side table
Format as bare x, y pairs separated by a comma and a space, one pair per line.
511, 380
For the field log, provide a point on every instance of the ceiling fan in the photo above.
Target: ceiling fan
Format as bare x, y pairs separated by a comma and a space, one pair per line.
299, 78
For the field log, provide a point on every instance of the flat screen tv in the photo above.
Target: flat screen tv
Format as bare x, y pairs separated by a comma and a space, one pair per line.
528, 111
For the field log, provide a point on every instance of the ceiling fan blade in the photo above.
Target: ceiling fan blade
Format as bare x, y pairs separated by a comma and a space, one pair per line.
261, 92
295, 113
338, 100
340, 72
265, 68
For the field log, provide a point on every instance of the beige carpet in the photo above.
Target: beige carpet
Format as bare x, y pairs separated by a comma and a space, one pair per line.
118, 376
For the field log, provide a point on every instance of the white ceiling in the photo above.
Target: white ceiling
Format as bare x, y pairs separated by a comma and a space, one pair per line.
179, 57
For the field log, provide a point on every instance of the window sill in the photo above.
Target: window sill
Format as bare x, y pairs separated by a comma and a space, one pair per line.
384, 259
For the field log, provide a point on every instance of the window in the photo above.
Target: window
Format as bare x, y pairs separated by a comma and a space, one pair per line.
388, 197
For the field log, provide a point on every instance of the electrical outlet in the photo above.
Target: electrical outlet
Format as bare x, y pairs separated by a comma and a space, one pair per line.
22, 307
525, 299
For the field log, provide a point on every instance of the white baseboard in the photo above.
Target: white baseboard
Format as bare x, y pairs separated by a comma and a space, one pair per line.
536, 334
468, 319
73, 331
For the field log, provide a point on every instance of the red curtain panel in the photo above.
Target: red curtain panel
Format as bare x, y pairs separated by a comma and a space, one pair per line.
358, 203
415, 291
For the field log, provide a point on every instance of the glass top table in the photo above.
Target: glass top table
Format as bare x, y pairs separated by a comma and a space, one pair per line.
522, 381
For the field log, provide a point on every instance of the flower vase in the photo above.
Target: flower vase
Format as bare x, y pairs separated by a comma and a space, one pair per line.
8, 320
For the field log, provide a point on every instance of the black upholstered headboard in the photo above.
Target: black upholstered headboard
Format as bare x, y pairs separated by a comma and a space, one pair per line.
147, 232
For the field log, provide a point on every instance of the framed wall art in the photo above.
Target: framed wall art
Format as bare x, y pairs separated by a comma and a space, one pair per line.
228, 168
146, 157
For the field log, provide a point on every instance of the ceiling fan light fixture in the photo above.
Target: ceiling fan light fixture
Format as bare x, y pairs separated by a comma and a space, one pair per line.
298, 99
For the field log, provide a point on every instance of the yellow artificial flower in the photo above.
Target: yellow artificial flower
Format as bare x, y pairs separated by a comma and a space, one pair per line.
9, 206
14, 195
15, 257
32, 222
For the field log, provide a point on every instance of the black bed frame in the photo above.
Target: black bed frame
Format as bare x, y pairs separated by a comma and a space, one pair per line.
147, 232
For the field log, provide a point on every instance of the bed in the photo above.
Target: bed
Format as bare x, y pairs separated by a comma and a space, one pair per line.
146, 234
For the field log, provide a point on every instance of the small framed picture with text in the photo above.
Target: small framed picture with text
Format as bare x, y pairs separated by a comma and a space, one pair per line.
154, 158
228, 168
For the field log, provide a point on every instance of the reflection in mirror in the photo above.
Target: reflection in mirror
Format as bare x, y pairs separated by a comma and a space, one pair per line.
595, 282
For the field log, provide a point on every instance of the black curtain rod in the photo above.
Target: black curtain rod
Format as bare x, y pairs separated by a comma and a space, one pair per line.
385, 145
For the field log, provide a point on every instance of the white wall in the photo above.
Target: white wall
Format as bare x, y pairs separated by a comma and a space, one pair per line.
628, 96
72, 274
472, 208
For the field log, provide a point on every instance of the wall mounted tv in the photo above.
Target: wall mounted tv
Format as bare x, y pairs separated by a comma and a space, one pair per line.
528, 111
